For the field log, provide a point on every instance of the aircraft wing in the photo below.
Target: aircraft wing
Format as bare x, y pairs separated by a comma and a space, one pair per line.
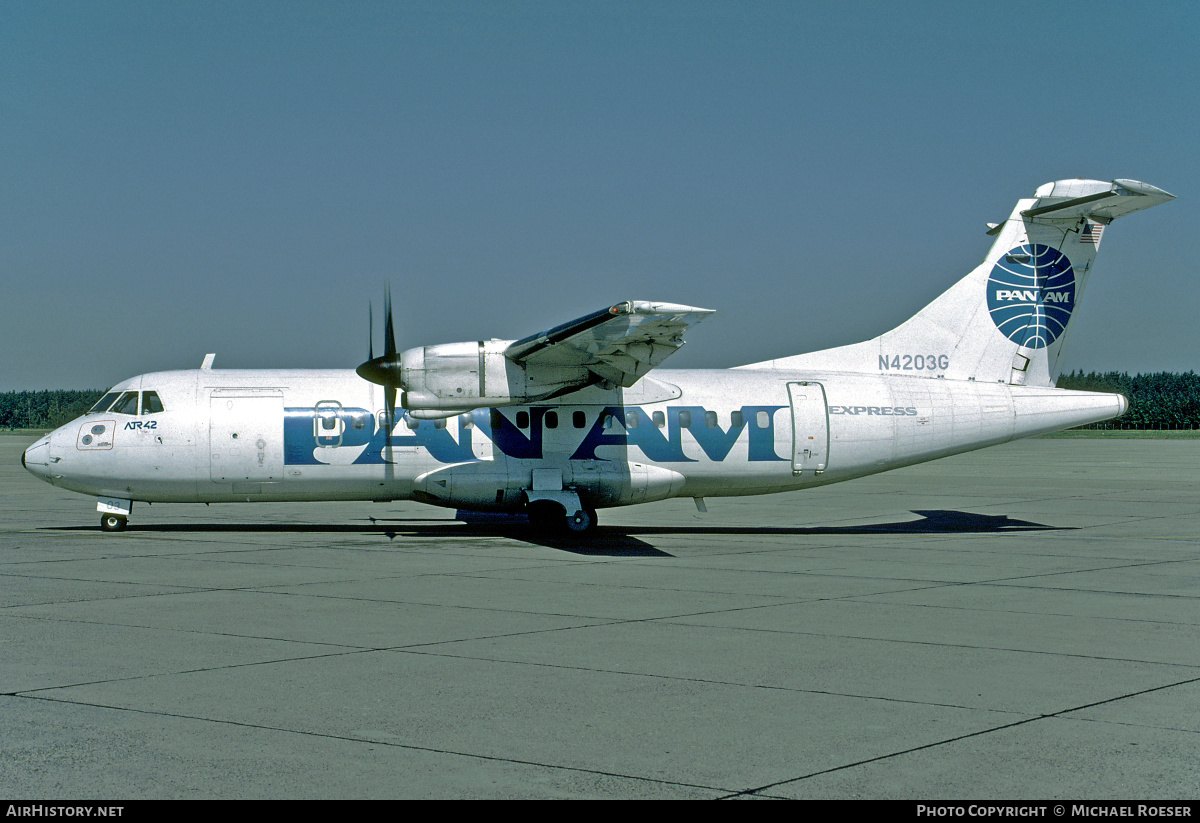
619, 344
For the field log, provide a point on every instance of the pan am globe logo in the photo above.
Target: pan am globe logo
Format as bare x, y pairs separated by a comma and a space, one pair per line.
1031, 294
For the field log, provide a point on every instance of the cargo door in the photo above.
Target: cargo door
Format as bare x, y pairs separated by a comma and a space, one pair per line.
810, 428
245, 435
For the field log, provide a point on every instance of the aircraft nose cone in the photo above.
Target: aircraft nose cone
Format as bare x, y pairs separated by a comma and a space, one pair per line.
36, 458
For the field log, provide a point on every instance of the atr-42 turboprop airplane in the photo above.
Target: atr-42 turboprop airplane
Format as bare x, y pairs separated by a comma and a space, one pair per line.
568, 421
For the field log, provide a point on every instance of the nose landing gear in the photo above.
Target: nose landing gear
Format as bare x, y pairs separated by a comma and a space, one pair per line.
113, 522
114, 513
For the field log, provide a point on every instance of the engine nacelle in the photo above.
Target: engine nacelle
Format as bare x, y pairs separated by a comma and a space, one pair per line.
461, 376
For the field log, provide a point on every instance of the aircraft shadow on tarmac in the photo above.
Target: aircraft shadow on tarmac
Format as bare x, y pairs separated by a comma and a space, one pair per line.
606, 541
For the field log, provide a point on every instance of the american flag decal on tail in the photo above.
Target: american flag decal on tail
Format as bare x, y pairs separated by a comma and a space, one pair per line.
1091, 233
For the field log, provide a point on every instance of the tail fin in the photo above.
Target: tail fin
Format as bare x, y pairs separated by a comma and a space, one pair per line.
1007, 320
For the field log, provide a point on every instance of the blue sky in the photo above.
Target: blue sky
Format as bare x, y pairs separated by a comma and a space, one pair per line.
179, 178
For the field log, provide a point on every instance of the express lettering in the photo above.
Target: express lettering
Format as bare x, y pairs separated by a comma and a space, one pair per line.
885, 411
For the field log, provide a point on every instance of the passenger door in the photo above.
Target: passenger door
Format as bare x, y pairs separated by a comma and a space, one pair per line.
810, 428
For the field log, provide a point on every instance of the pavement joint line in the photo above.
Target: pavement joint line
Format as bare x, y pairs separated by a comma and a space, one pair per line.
1048, 716
594, 621
1078, 589
993, 610
424, 648
931, 644
498, 575
869, 760
155, 675
936, 584
378, 742
707, 681
177, 630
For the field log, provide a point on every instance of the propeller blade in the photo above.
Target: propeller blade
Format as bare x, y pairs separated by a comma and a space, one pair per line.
389, 334
389, 399
385, 370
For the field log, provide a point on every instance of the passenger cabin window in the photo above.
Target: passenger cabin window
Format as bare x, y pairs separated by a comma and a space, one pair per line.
631, 419
578, 419
764, 419
126, 404
736, 419
104, 402
551, 420
659, 419
685, 419
710, 419
522, 420
150, 403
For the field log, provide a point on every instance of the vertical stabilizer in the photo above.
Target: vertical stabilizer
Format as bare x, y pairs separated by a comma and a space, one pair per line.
1007, 320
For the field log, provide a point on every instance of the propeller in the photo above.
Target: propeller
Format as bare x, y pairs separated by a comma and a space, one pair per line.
384, 370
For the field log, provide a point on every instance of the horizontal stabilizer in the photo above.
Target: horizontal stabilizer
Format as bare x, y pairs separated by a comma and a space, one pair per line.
1093, 199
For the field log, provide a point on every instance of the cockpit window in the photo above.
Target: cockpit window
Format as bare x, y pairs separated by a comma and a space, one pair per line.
104, 402
127, 404
150, 403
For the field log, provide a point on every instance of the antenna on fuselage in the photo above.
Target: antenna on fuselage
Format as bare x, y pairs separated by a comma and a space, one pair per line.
208, 361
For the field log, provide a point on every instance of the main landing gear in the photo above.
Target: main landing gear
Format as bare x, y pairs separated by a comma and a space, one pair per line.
548, 517
582, 522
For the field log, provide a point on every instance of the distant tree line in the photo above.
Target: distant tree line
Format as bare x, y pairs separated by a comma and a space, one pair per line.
1164, 400
44, 409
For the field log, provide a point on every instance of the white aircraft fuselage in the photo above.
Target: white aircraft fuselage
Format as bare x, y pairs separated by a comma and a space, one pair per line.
233, 435
973, 369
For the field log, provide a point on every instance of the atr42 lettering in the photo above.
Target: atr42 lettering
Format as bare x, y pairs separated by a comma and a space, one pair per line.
141, 424
914, 362
886, 411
